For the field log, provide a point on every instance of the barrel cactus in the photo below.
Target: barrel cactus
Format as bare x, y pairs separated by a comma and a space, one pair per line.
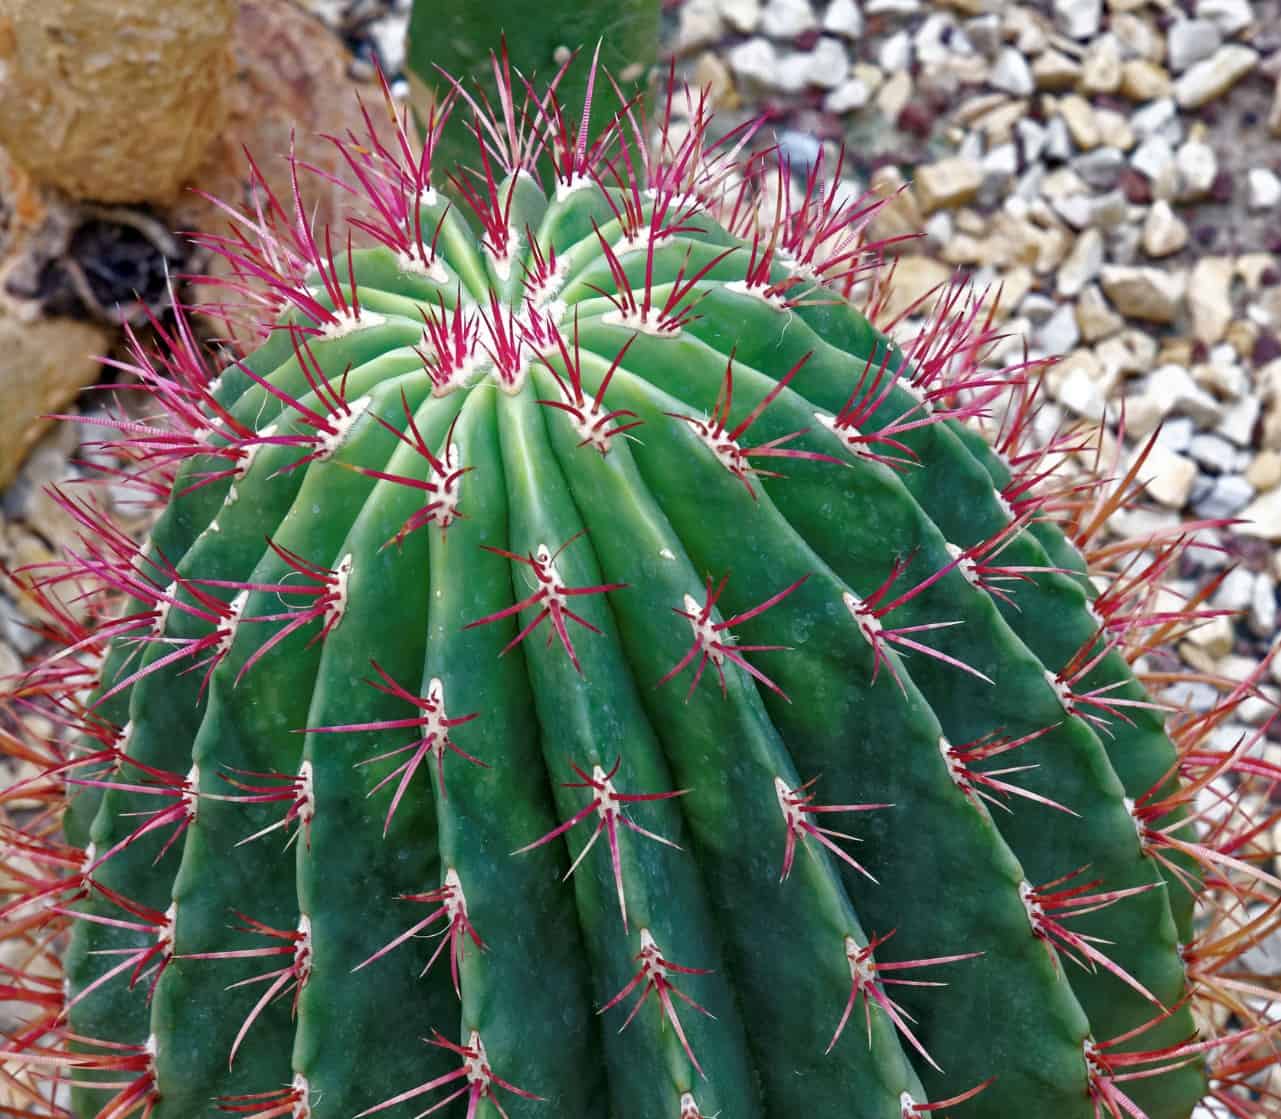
583, 668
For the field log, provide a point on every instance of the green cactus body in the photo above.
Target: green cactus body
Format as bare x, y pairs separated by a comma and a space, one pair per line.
592, 648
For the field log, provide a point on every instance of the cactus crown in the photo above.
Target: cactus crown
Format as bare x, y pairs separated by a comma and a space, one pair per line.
583, 640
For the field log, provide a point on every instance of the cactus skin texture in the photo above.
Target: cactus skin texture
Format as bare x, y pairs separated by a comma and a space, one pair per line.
585, 669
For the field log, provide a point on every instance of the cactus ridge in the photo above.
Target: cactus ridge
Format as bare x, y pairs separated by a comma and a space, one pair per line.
592, 648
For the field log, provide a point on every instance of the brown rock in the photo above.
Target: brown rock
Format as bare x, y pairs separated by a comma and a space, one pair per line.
1142, 80
947, 183
114, 100
291, 77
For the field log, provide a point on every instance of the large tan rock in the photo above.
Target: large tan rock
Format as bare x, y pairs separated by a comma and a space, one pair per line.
113, 100
43, 365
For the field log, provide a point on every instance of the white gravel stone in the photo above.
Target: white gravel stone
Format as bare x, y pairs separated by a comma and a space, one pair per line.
1229, 16
1174, 387
1154, 157
1213, 452
1262, 618
848, 96
1082, 264
895, 53
844, 17
1235, 591
1264, 189
1237, 422
1226, 497
1214, 76
1011, 73
786, 19
1078, 19
1197, 166
1188, 41
700, 25
1159, 118
1059, 333
744, 16
755, 60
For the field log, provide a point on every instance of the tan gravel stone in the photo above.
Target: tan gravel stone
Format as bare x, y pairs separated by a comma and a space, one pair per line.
1101, 67
1214, 76
1142, 80
1053, 71
947, 183
1163, 231
1078, 115
1114, 129
1151, 294
1262, 517
914, 277
1274, 126
1082, 263
894, 95
1168, 476
1210, 297
1094, 315
900, 216
1264, 472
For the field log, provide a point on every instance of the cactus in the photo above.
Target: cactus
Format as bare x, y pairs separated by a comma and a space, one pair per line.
585, 668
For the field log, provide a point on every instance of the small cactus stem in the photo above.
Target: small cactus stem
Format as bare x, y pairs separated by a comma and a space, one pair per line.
142, 961
654, 973
715, 644
975, 783
293, 1102
724, 443
272, 788
550, 596
450, 352
443, 487
588, 414
868, 979
913, 1110
869, 615
292, 977
1049, 906
1096, 706
481, 1081
608, 804
796, 805
450, 906
182, 792
433, 741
